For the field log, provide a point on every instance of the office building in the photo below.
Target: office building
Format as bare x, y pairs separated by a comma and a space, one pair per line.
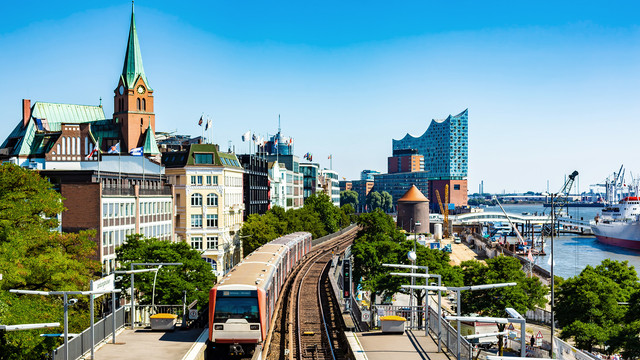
256, 187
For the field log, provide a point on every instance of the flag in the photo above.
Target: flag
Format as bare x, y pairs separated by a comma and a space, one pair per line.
254, 138
115, 149
208, 125
275, 142
246, 136
310, 157
200, 122
95, 150
530, 257
136, 151
290, 141
329, 157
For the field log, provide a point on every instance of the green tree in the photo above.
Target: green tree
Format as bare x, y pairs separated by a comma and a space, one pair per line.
349, 197
374, 200
328, 213
588, 306
387, 201
346, 215
194, 275
528, 294
34, 257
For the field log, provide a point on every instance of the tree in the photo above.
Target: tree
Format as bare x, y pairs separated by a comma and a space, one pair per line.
588, 306
528, 294
327, 212
349, 197
374, 200
387, 201
34, 257
194, 275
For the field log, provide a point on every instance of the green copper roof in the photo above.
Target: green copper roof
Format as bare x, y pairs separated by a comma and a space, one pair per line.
188, 157
150, 144
28, 141
133, 58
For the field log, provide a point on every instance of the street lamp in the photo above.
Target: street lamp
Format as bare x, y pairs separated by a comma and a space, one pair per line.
553, 227
132, 272
67, 302
458, 290
427, 276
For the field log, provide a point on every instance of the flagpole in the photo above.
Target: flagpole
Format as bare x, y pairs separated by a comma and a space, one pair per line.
119, 172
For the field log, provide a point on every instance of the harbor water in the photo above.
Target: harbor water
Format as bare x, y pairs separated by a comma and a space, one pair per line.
574, 252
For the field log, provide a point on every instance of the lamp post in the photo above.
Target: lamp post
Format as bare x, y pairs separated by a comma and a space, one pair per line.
427, 276
553, 228
132, 272
458, 290
67, 303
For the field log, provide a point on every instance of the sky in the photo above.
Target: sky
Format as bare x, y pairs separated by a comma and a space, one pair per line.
551, 87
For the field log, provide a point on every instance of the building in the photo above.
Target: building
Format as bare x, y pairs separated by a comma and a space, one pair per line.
117, 200
311, 179
444, 146
286, 186
367, 175
413, 211
362, 188
330, 185
256, 188
209, 207
87, 157
293, 179
397, 184
406, 160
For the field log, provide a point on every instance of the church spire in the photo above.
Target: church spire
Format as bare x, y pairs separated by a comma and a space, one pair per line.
133, 58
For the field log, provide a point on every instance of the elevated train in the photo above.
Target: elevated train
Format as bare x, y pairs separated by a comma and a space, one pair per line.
241, 305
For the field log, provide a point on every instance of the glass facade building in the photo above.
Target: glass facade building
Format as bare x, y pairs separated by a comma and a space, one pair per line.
398, 183
444, 146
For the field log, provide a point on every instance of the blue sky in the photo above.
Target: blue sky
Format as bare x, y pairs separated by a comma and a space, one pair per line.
550, 88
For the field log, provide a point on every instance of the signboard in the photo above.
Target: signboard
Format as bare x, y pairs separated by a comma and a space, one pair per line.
434, 245
539, 335
193, 314
346, 278
510, 327
366, 316
107, 283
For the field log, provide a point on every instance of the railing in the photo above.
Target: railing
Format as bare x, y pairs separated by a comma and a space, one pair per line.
449, 335
166, 190
539, 315
118, 191
144, 312
81, 344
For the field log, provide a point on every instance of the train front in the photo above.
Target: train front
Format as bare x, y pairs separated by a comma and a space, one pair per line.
236, 325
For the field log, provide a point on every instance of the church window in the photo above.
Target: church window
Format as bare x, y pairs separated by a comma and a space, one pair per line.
138, 101
144, 104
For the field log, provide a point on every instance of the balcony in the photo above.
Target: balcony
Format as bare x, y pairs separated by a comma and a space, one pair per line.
166, 190
118, 191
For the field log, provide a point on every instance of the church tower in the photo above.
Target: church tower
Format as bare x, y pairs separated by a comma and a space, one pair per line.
133, 100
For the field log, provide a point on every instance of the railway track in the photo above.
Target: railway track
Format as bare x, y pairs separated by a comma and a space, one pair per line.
308, 323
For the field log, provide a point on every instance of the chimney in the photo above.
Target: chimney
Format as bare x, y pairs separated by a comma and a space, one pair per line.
26, 112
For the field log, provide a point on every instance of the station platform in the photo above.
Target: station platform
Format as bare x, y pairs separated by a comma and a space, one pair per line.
147, 344
411, 345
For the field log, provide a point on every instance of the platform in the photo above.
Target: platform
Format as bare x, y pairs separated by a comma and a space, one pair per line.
148, 344
408, 346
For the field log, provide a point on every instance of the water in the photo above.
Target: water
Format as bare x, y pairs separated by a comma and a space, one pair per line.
574, 252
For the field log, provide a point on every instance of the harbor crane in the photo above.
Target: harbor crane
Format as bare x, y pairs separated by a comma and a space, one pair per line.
444, 211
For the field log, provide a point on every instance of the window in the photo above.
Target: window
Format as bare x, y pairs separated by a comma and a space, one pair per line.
214, 180
204, 158
196, 221
193, 180
208, 180
456, 186
196, 199
196, 242
212, 242
138, 102
212, 200
144, 104
212, 220
199, 180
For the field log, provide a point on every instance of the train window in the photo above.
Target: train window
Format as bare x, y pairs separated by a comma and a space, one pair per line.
236, 304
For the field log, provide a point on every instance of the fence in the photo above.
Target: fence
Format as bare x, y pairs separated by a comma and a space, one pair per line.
81, 344
449, 335
540, 316
144, 312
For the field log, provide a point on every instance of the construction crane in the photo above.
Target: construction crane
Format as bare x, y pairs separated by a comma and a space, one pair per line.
444, 211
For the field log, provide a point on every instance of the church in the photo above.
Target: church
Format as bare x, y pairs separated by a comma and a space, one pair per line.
107, 169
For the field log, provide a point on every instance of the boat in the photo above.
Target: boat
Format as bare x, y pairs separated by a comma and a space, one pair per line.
619, 224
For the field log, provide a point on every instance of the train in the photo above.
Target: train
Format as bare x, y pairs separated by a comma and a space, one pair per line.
241, 305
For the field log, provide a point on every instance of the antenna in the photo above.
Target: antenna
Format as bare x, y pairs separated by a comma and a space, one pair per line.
278, 123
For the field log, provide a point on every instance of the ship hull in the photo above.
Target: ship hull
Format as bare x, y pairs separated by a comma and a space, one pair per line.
622, 234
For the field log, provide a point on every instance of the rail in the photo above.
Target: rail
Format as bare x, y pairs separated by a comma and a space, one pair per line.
324, 320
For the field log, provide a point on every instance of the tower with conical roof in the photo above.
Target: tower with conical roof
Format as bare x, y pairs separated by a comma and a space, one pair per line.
413, 211
133, 100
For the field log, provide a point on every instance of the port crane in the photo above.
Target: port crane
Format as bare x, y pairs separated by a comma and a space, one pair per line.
561, 197
444, 211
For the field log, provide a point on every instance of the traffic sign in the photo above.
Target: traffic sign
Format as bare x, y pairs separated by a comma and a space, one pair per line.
193, 314
366, 316
539, 335
511, 327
